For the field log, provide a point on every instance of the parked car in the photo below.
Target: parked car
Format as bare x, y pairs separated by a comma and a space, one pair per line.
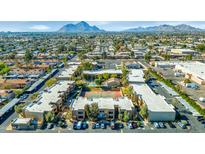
50, 125
96, 125
156, 125
120, 125
112, 125
84, 125
24, 96
183, 126
63, 124
161, 125
79, 125
129, 125
200, 118
75, 125
103, 126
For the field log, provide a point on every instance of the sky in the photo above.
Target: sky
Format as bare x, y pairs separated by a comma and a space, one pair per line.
50, 26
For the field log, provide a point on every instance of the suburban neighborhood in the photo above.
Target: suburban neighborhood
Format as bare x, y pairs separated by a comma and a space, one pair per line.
84, 79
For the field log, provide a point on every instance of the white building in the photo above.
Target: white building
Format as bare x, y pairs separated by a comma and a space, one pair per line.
51, 99
183, 51
100, 72
193, 70
67, 73
158, 108
136, 76
106, 105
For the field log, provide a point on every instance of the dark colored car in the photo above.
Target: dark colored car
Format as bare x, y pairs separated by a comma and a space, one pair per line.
50, 126
120, 125
84, 125
134, 125
75, 125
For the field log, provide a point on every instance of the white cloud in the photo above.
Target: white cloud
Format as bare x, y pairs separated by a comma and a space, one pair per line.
40, 27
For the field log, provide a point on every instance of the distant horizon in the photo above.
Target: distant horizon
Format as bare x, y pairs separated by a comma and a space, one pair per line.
53, 26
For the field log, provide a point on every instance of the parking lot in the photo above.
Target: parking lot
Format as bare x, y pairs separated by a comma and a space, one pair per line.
195, 94
195, 126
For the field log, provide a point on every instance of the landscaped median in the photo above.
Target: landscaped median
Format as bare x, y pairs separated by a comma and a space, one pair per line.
178, 90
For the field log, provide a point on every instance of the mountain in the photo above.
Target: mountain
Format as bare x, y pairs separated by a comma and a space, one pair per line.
166, 28
82, 27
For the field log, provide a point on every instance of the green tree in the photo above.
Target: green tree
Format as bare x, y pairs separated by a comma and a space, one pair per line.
3, 68
28, 56
94, 111
147, 56
188, 57
187, 81
126, 116
113, 76
19, 108
106, 76
34, 96
98, 81
120, 116
200, 47
69, 115
87, 111
144, 111
49, 116
50, 82
62, 48
65, 60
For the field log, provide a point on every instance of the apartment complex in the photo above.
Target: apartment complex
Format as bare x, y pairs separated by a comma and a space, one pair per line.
51, 99
158, 108
109, 106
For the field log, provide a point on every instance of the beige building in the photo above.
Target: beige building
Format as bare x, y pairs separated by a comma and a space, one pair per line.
109, 106
52, 99
183, 51
193, 70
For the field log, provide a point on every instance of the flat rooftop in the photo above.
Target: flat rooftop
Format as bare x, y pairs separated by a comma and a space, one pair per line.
108, 71
196, 68
155, 103
22, 121
48, 98
68, 72
103, 103
136, 75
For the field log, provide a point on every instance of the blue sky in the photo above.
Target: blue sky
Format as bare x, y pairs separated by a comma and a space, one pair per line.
47, 26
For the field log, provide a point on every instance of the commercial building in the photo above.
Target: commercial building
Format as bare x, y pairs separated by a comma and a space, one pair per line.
183, 51
158, 108
52, 99
108, 106
193, 70
67, 73
100, 72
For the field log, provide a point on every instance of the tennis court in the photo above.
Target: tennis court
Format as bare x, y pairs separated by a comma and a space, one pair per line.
104, 94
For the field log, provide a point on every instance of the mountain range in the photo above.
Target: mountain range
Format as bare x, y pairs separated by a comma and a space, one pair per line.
81, 27
84, 27
166, 28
